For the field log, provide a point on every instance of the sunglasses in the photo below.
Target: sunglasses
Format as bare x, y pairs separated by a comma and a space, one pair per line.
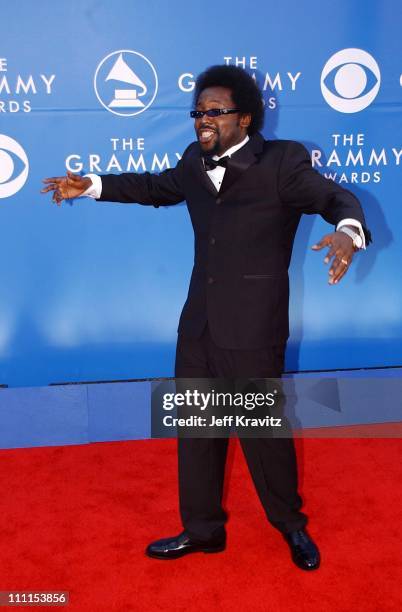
212, 112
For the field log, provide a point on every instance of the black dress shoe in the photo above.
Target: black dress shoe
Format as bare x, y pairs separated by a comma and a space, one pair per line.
173, 548
304, 552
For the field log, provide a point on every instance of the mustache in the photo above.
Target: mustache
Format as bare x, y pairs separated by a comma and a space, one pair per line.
207, 127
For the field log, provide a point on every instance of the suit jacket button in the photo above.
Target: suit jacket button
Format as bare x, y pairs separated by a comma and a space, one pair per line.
212, 240
219, 200
210, 280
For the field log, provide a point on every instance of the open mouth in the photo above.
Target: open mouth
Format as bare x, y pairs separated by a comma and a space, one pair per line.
206, 136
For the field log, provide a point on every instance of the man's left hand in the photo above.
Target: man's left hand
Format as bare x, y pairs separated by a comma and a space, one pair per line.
341, 251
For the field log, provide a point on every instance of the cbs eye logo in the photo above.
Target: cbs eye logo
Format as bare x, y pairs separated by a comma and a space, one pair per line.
13, 161
350, 80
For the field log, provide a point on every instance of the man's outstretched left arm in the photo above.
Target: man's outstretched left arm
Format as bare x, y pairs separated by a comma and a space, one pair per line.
304, 189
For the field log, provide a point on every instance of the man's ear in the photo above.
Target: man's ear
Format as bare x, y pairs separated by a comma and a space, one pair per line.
245, 120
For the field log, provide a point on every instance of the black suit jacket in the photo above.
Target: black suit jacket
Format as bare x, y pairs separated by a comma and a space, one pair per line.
243, 234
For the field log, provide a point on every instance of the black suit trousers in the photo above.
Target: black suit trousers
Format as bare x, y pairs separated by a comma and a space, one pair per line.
271, 461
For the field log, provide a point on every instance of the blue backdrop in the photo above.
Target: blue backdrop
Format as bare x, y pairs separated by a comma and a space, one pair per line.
94, 291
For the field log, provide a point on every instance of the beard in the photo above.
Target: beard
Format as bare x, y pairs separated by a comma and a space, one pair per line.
213, 148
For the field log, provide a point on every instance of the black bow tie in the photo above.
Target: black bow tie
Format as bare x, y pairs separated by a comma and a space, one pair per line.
211, 164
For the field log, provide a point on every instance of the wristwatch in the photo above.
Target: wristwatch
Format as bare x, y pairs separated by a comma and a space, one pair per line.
357, 239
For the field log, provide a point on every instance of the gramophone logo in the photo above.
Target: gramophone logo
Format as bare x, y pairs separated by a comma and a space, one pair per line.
126, 83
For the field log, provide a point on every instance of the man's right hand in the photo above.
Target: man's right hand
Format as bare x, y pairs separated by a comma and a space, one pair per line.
66, 187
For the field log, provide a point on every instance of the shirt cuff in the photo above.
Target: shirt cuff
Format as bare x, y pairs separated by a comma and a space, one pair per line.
95, 190
355, 224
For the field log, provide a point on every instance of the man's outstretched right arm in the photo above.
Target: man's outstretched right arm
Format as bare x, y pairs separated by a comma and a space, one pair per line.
154, 189
161, 189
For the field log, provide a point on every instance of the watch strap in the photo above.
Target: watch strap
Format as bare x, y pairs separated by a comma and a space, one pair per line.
355, 236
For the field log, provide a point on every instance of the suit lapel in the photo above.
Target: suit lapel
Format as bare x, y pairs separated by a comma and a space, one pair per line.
197, 166
241, 160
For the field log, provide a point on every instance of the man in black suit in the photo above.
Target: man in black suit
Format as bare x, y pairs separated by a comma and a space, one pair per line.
245, 197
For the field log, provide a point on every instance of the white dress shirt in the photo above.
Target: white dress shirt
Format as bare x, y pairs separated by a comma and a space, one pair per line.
216, 175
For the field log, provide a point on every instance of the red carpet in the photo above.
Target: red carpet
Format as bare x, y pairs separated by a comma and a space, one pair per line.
78, 518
